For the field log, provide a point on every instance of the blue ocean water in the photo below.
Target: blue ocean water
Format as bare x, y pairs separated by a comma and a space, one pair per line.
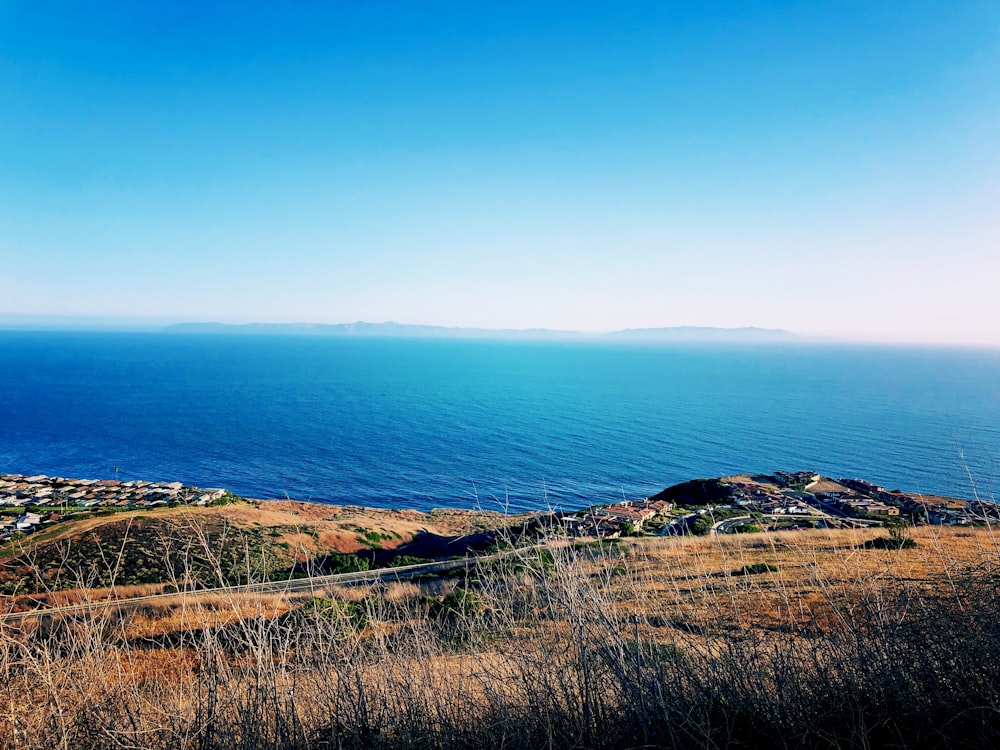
436, 423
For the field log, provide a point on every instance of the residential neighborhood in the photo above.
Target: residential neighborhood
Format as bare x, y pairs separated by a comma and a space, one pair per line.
51, 498
612, 520
781, 501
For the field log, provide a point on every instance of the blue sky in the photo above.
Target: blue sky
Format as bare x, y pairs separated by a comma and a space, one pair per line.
824, 167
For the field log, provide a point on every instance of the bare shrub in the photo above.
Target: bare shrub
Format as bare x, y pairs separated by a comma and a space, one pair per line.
650, 643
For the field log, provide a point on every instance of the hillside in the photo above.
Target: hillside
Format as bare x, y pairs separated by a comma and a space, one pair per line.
809, 639
208, 539
214, 546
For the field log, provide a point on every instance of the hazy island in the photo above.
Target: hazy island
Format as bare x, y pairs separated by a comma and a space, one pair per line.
361, 329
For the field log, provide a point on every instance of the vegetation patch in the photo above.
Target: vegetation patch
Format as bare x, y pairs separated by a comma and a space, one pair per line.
402, 560
751, 569
696, 492
899, 537
675, 655
889, 542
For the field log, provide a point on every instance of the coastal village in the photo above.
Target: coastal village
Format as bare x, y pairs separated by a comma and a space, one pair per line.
737, 504
32, 501
781, 501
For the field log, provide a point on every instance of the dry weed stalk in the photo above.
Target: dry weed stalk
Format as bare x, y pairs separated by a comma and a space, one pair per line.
652, 643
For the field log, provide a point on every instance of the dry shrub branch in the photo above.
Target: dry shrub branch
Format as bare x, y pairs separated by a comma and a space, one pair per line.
807, 640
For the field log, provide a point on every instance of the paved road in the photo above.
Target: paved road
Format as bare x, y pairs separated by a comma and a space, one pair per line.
723, 527
296, 585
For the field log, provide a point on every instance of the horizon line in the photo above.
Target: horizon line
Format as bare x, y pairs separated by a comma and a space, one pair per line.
26, 322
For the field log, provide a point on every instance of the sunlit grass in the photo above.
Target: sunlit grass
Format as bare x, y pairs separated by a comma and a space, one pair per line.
642, 643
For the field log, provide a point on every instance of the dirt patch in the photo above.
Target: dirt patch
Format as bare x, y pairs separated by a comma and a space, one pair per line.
826, 485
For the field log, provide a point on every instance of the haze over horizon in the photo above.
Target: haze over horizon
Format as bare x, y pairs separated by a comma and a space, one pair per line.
825, 168
360, 328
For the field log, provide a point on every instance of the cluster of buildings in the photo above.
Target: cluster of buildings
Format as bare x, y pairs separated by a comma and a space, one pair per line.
800, 479
610, 521
768, 501
984, 511
25, 523
855, 504
57, 493
939, 511
782, 498
799, 493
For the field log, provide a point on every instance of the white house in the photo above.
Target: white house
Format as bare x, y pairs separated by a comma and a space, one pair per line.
28, 521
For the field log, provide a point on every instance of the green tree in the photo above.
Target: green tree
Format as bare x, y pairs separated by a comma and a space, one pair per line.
899, 533
701, 525
897, 528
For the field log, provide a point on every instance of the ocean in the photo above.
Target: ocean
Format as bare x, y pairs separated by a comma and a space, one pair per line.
490, 424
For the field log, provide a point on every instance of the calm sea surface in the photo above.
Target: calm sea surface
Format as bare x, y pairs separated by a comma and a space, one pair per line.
420, 423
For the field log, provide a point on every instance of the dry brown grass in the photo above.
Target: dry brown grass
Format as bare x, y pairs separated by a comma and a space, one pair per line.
652, 643
312, 527
274, 539
187, 612
827, 485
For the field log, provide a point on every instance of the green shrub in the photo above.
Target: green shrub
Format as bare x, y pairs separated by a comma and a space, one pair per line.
898, 538
348, 563
889, 542
701, 525
400, 560
460, 603
353, 613
755, 568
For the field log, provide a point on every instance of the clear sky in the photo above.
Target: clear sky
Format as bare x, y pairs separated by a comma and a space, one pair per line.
826, 167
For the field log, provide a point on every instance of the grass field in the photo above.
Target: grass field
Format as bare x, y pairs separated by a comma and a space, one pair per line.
225, 545
800, 639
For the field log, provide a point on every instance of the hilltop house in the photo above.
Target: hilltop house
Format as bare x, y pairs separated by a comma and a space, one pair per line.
28, 522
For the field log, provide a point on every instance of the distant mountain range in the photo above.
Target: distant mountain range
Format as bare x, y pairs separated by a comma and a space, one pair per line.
405, 330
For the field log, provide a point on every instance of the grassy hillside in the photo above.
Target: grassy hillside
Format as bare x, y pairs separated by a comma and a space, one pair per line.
210, 547
801, 640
